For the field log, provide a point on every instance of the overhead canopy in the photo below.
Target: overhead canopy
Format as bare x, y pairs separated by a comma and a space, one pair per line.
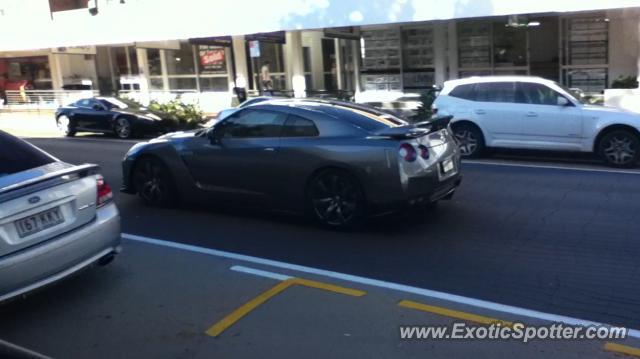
155, 20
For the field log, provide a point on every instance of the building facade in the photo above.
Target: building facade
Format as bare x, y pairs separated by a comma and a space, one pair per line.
587, 49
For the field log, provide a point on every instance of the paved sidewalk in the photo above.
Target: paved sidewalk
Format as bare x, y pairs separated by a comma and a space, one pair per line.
29, 124
159, 302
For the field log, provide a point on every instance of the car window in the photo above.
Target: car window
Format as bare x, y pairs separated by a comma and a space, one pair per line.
537, 94
296, 126
84, 103
17, 155
463, 91
496, 92
252, 123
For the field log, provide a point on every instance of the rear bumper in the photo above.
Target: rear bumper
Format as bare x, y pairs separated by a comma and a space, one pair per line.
62, 256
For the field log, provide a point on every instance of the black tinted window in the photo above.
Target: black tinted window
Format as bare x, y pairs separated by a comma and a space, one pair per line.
299, 127
84, 103
252, 123
17, 155
463, 92
537, 94
496, 92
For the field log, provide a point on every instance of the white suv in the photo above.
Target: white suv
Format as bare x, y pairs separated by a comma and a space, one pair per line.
534, 113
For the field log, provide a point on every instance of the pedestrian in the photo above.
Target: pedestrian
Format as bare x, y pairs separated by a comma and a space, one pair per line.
265, 79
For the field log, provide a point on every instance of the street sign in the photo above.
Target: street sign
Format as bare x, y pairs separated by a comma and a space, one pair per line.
254, 48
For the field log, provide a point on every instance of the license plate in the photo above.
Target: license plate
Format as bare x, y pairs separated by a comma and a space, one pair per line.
39, 222
447, 166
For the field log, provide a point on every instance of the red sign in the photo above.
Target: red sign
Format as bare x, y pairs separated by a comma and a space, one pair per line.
212, 59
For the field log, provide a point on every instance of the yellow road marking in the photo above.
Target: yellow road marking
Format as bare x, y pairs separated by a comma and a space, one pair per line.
329, 287
623, 349
453, 313
246, 308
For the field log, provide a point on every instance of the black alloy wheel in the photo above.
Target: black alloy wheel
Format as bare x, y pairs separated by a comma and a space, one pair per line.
122, 128
336, 199
153, 182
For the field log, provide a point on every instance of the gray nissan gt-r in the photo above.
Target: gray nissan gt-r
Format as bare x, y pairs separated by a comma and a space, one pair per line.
335, 161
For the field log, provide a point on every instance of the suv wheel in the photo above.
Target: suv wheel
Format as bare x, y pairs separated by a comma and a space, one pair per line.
470, 140
620, 148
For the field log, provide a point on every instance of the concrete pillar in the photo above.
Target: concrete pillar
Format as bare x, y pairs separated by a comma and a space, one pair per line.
165, 71
453, 50
339, 63
357, 57
317, 61
638, 59
143, 74
240, 58
440, 52
56, 72
295, 63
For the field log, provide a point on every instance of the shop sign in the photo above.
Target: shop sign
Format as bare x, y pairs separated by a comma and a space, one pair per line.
212, 59
79, 50
254, 48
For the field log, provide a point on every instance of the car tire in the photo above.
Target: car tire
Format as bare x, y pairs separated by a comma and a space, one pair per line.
64, 126
122, 128
335, 199
154, 184
470, 140
620, 148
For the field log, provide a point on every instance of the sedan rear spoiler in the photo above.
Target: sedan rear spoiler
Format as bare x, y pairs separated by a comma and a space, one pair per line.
417, 129
48, 178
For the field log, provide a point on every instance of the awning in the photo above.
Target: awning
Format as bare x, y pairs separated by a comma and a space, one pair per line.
156, 20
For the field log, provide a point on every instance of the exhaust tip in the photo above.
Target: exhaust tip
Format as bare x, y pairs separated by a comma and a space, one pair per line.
106, 259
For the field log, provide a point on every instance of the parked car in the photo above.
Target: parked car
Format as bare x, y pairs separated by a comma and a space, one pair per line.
329, 159
534, 113
55, 218
108, 115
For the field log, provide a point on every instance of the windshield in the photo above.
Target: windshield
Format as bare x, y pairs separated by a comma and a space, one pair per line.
113, 102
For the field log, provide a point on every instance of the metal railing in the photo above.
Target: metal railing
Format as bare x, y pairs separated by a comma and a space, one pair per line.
44, 99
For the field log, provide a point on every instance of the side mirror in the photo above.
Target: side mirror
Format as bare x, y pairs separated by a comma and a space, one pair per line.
562, 101
213, 137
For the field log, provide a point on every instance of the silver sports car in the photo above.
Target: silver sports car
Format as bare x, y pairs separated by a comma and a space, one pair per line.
335, 161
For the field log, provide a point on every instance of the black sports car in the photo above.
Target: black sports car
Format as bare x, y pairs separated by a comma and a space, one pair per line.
108, 115
336, 161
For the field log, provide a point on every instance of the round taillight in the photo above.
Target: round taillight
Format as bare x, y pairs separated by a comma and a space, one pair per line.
407, 152
424, 151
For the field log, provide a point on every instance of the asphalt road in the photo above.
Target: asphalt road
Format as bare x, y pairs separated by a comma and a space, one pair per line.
558, 240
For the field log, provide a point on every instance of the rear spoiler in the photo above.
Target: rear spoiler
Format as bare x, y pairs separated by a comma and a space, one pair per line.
47, 180
417, 129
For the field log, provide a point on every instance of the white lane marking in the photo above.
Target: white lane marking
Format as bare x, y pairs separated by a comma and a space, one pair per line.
553, 167
261, 273
377, 283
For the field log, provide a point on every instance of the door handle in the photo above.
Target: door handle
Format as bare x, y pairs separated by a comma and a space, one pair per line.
532, 114
269, 149
480, 112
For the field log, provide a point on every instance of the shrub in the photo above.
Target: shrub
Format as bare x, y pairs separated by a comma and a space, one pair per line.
184, 116
424, 112
622, 82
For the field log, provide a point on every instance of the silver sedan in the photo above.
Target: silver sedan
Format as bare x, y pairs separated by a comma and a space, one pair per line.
55, 218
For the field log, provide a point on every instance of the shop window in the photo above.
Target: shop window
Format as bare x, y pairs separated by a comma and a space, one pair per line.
155, 64
214, 84
474, 44
34, 72
585, 52
182, 83
509, 45
180, 62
